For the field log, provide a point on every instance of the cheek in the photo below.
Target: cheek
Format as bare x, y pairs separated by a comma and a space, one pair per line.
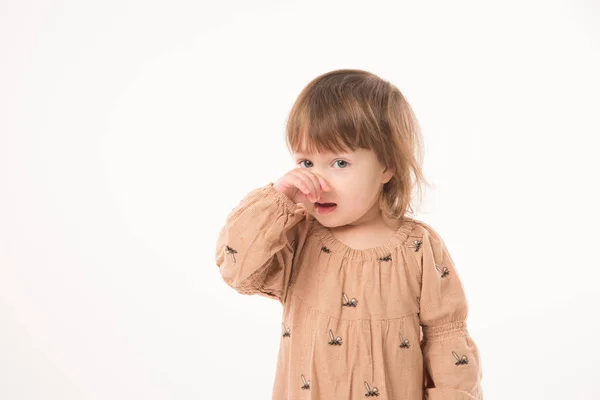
359, 191
355, 194
354, 188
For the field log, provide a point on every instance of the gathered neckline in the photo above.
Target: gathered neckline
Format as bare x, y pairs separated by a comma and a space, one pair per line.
384, 249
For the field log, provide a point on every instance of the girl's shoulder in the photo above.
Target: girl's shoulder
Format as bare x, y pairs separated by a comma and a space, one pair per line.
424, 230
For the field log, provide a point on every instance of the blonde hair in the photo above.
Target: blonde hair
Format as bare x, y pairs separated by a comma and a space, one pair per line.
347, 109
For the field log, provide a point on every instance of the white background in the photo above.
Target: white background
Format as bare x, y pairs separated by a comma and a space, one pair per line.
129, 129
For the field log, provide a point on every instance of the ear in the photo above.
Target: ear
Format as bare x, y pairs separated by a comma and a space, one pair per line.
388, 173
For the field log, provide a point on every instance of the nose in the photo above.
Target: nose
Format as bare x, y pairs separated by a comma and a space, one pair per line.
327, 189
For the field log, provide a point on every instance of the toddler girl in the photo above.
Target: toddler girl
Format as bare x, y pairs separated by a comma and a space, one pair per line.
372, 302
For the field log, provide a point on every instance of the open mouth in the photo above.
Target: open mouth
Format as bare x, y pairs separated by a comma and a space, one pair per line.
325, 204
325, 208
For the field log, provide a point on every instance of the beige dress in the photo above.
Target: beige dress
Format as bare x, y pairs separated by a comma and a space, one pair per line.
386, 322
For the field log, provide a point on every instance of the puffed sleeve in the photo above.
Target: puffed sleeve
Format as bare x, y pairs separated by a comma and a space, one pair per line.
450, 356
257, 245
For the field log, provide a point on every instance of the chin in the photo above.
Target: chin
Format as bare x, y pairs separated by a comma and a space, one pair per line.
325, 221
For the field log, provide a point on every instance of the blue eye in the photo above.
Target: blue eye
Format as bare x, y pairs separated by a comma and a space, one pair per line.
346, 163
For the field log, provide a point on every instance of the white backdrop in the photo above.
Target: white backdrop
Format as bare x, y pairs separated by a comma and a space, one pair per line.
129, 129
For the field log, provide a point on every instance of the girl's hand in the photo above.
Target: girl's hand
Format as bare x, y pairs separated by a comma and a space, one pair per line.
301, 185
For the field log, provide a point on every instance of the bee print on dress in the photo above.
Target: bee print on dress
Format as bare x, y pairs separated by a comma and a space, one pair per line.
460, 360
404, 344
305, 383
286, 331
416, 245
335, 341
443, 270
371, 392
231, 251
325, 249
419, 303
386, 258
349, 303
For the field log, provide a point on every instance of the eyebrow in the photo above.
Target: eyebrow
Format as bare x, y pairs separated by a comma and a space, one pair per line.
301, 154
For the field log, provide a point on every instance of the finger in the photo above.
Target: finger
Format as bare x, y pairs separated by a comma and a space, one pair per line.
316, 184
323, 183
296, 178
308, 185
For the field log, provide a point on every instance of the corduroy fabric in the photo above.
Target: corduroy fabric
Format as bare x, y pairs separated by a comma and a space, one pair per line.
387, 322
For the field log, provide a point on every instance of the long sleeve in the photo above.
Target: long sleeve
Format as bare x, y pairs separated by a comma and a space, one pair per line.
257, 245
450, 356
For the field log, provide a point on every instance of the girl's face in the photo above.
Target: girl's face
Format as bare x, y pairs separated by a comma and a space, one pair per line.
356, 179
